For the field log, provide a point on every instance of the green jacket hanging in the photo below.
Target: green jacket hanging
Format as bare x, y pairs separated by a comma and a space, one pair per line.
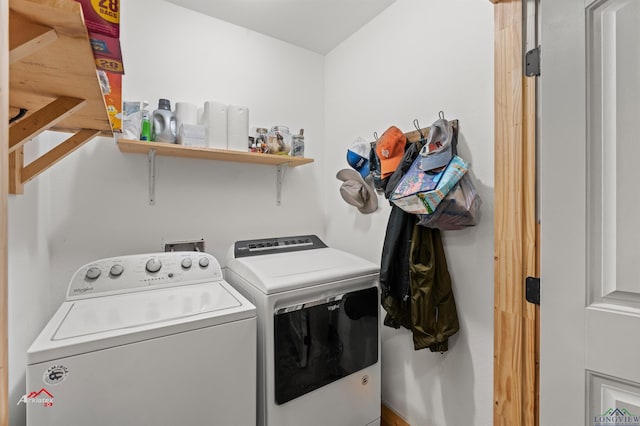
430, 311
433, 309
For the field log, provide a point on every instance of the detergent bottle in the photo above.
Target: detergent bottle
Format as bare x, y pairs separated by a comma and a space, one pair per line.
164, 123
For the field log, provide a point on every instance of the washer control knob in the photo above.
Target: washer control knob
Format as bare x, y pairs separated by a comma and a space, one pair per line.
186, 263
153, 265
204, 262
92, 273
116, 270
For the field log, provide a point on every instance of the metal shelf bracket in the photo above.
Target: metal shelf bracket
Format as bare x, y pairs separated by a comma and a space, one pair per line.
281, 171
152, 177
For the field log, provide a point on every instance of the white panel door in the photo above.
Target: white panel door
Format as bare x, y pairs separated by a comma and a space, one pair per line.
590, 212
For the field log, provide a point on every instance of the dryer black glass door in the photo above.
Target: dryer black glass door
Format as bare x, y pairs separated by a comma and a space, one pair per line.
323, 341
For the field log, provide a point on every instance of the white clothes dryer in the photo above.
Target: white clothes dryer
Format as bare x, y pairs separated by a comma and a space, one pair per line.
154, 339
318, 330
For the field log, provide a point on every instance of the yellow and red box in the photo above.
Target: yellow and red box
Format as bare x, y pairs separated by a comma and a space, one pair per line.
112, 91
102, 18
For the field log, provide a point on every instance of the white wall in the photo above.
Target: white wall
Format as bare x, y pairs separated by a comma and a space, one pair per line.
415, 59
171, 52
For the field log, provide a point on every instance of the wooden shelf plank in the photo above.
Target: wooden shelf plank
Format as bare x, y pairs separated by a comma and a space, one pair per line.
66, 66
41, 120
27, 37
16, 161
174, 150
56, 154
59, 14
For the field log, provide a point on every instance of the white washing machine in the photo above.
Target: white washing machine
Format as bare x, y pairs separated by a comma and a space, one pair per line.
318, 331
155, 339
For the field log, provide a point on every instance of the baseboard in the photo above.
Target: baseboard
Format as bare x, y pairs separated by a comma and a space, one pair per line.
391, 418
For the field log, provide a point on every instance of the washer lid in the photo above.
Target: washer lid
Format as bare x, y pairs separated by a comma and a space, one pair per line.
273, 273
86, 325
98, 315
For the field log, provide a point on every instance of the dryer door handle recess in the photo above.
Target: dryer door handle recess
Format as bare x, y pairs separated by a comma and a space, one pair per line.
332, 303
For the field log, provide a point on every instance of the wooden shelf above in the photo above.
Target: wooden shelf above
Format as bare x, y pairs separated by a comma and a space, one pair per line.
53, 83
51, 57
174, 150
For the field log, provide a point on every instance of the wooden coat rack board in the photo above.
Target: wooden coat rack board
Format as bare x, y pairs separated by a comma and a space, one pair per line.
415, 135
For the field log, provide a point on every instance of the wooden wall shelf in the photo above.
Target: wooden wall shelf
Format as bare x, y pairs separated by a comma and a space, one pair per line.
174, 150
52, 75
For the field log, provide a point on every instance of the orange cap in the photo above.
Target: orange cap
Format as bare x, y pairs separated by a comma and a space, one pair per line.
390, 150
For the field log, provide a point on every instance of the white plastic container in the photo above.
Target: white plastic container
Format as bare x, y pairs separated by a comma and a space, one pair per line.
237, 128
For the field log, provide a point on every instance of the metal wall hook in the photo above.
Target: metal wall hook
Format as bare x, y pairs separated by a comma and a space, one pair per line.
441, 115
375, 136
416, 124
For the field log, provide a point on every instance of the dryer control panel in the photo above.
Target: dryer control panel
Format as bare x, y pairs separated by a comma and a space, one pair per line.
276, 245
142, 272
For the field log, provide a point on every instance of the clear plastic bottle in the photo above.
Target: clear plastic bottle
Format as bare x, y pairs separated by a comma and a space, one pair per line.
297, 144
164, 122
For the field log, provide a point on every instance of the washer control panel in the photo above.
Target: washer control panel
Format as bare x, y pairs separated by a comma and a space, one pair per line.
142, 272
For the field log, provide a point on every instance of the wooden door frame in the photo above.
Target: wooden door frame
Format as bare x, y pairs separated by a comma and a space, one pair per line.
516, 248
515, 243
4, 189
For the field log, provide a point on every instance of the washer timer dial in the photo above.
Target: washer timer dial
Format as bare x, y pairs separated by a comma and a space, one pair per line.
186, 263
116, 270
153, 265
92, 273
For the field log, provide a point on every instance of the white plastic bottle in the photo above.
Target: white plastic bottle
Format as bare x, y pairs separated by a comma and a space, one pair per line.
164, 123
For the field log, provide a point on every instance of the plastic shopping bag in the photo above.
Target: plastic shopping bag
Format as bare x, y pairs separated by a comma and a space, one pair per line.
420, 192
458, 210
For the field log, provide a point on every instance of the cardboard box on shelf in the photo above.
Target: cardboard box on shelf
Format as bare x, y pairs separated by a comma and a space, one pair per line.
102, 16
111, 84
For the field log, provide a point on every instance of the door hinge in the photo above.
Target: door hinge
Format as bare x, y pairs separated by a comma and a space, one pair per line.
532, 62
532, 290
